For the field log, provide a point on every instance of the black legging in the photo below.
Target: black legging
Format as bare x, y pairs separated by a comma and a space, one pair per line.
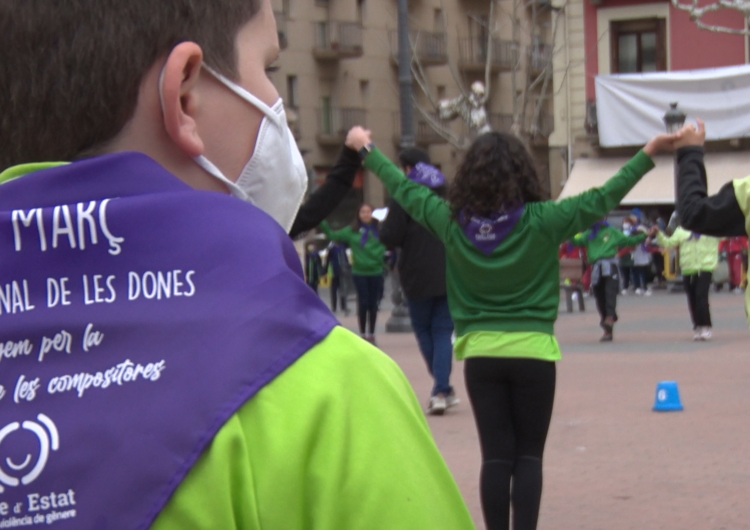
697, 287
369, 291
605, 293
512, 400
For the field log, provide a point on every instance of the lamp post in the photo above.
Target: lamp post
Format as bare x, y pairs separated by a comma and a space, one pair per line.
674, 119
399, 321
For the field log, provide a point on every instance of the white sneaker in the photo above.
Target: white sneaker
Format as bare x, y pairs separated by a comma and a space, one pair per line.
648, 292
452, 400
639, 292
738, 290
706, 334
437, 405
698, 334
624, 292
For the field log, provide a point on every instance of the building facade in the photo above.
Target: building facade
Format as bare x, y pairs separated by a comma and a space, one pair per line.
602, 37
338, 68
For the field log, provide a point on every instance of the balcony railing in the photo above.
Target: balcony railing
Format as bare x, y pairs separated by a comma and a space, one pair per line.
540, 56
424, 133
337, 40
431, 47
334, 123
473, 54
281, 28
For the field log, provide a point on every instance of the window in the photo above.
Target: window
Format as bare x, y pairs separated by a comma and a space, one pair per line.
638, 46
361, 11
292, 97
441, 92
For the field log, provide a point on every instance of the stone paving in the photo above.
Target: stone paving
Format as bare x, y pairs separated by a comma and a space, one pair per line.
612, 463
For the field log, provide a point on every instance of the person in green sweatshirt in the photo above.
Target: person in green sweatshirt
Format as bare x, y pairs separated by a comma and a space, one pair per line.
699, 256
501, 241
367, 271
604, 243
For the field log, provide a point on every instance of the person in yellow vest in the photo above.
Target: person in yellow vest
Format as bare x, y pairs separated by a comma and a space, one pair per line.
699, 256
724, 214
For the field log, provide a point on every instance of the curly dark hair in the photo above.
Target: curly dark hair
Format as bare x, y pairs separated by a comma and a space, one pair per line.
496, 174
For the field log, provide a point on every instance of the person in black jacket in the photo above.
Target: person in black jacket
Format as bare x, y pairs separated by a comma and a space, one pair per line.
421, 266
725, 214
324, 200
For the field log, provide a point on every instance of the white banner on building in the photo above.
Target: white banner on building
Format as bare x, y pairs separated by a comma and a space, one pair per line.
630, 107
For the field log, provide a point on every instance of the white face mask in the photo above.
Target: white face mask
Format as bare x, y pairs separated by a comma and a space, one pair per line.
275, 177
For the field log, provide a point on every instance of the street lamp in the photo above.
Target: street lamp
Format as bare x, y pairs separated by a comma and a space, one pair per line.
674, 119
400, 322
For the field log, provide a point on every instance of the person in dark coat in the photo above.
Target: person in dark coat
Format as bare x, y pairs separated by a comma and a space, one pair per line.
421, 266
313, 267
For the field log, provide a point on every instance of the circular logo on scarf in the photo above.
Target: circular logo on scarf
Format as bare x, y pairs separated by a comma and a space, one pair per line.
24, 450
485, 232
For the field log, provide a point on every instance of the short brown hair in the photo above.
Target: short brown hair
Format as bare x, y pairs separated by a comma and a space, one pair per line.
70, 71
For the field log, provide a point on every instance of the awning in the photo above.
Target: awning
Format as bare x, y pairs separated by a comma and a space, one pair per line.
657, 186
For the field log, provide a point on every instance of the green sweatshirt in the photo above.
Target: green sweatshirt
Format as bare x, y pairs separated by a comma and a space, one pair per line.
368, 260
516, 288
696, 255
607, 242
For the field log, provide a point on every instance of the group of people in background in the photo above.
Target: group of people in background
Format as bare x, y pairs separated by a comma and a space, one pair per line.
634, 256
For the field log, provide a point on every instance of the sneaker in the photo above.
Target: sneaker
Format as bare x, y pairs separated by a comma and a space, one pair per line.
648, 292
706, 334
452, 400
608, 329
624, 292
698, 333
437, 405
738, 290
639, 292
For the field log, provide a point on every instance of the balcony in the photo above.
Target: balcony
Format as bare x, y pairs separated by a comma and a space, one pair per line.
281, 28
473, 55
431, 47
424, 133
334, 123
337, 40
540, 56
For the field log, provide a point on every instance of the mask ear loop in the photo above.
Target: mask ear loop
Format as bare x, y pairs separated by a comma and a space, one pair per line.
247, 96
201, 160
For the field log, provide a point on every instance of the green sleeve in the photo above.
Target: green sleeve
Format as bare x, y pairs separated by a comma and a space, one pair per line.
337, 441
419, 201
344, 235
675, 240
631, 241
561, 220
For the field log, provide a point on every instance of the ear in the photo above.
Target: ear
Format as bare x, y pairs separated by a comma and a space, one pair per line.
179, 97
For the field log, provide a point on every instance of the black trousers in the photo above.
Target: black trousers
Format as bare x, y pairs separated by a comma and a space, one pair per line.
605, 293
512, 401
697, 287
336, 293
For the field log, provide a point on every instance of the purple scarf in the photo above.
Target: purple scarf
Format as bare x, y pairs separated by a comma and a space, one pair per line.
367, 232
143, 314
488, 233
597, 226
427, 175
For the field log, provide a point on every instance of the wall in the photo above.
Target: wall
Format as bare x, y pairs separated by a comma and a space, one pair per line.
689, 47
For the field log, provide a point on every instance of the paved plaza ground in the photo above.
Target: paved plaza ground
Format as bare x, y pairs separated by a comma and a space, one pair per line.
612, 463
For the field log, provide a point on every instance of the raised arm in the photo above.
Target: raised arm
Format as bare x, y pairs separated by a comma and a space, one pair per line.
343, 235
418, 201
675, 240
324, 200
715, 215
563, 219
